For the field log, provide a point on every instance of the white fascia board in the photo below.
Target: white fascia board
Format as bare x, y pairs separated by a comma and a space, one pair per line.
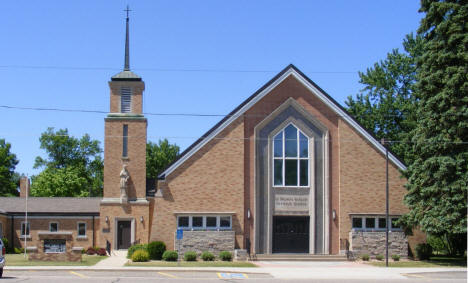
345, 116
262, 94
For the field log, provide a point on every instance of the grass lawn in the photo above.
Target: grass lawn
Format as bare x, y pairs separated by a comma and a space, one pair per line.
159, 263
19, 260
435, 261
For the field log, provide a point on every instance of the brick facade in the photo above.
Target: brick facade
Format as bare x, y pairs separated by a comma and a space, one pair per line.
211, 181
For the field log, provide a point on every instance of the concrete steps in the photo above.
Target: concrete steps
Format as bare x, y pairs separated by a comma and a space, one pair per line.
298, 257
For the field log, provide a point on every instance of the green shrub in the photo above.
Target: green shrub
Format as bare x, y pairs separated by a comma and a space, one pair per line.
19, 250
379, 257
225, 256
170, 256
140, 255
396, 257
365, 257
438, 244
134, 248
207, 256
156, 250
423, 251
190, 256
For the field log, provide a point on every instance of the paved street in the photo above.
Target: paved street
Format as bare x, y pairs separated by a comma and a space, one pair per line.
201, 276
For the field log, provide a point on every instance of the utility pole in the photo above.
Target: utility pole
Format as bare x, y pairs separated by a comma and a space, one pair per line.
386, 203
26, 220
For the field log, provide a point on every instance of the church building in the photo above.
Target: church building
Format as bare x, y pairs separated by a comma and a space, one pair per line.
287, 171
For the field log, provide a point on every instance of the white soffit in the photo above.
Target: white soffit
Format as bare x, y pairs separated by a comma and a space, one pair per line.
323, 97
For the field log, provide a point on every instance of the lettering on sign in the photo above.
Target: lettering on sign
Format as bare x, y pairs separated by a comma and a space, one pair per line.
291, 203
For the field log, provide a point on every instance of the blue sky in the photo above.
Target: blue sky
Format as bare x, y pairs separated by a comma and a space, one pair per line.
194, 56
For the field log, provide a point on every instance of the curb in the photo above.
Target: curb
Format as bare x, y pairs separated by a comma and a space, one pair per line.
250, 270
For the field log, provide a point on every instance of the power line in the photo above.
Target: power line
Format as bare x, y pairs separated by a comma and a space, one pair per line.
357, 140
202, 70
159, 114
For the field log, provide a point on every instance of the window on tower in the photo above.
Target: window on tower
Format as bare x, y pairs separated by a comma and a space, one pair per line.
125, 141
125, 100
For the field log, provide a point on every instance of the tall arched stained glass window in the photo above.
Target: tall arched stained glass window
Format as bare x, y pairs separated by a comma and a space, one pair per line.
291, 158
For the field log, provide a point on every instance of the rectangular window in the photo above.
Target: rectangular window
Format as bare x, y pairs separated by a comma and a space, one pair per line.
225, 222
211, 222
53, 227
1, 230
81, 229
395, 226
125, 141
382, 223
24, 229
357, 223
126, 100
370, 223
197, 222
291, 172
183, 222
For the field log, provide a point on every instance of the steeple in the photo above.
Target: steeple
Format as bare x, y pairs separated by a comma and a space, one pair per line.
127, 55
126, 74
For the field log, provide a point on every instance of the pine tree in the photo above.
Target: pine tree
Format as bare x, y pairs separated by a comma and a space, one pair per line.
438, 177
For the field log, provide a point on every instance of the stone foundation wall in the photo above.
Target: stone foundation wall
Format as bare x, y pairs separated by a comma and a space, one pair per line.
373, 243
201, 241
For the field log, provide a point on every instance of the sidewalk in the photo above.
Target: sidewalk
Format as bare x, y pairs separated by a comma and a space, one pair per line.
284, 270
116, 260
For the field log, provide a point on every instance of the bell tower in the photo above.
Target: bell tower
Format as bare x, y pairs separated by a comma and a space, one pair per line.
124, 207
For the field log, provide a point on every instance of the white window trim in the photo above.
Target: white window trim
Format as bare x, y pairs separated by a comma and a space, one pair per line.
376, 223
78, 229
284, 158
50, 226
204, 227
28, 229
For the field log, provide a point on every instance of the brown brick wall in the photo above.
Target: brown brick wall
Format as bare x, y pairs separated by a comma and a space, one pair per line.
290, 87
136, 161
64, 225
362, 180
137, 92
211, 180
113, 211
5, 226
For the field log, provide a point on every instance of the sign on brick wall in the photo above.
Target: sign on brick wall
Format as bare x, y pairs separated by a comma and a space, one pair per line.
291, 202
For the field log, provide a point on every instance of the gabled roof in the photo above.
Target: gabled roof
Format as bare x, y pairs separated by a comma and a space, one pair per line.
290, 70
51, 205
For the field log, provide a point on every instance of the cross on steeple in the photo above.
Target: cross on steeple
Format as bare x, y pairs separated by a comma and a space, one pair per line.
127, 10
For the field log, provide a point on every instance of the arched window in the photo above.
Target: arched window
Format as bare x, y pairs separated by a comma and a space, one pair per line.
291, 158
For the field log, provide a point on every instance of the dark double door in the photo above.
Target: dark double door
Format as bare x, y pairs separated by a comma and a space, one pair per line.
124, 235
291, 234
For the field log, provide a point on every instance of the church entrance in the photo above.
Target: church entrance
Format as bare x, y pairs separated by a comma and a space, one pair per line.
124, 234
291, 234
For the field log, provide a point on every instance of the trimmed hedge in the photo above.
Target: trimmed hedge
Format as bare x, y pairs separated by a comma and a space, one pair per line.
396, 257
190, 256
140, 255
365, 257
170, 256
207, 256
225, 256
156, 250
379, 257
90, 251
134, 248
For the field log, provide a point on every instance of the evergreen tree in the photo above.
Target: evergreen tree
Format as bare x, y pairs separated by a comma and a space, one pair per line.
438, 177
386, 104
